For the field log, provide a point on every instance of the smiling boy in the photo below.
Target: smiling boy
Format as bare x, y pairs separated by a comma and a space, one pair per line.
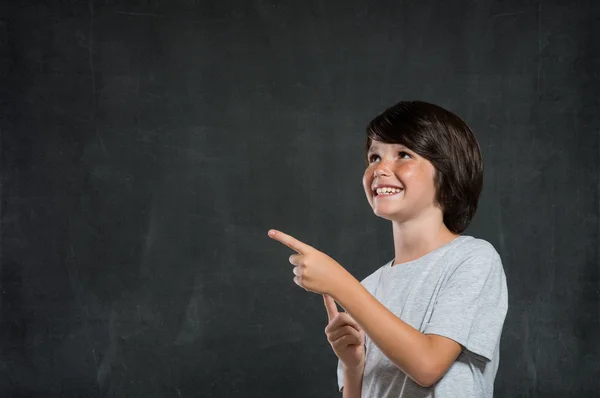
427, 323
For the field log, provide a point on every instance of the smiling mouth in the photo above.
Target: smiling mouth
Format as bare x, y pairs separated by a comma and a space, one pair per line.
384, 194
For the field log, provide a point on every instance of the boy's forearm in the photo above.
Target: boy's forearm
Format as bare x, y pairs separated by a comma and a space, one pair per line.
352, 383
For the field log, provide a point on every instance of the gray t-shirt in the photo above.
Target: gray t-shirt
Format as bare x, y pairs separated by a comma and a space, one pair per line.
457, 291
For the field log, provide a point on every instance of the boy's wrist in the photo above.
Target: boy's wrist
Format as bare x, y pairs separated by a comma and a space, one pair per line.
345, 287
354, 370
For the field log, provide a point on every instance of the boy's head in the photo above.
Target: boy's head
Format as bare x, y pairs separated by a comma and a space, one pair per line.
434, 136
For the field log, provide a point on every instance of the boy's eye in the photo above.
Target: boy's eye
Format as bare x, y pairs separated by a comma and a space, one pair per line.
401, 153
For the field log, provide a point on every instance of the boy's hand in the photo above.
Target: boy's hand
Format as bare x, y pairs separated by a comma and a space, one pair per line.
315, 271
346, 337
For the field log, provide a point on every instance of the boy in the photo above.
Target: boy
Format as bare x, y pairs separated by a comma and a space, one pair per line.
427, 323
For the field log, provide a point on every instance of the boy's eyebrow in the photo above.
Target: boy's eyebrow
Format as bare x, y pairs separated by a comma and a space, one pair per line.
375, 147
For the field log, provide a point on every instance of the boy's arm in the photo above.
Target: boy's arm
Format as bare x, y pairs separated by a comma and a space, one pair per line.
424, 358
352, 383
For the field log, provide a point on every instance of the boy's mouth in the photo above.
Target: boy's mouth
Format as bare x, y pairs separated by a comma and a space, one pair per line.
383, 192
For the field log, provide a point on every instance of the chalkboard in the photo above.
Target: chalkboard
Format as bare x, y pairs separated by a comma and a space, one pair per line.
148, 146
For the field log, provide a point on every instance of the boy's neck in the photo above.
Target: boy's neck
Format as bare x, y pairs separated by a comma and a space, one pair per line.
415, 238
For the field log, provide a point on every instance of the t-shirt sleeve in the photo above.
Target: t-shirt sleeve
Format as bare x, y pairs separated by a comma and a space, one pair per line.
340, 376
472, 304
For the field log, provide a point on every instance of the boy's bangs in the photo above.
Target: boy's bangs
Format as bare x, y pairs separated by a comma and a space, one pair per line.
393, 128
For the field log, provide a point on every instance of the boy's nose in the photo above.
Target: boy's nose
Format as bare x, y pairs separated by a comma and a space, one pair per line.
380, 171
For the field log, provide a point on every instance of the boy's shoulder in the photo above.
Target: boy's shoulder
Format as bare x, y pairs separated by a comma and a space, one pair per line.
471, 246
475, 254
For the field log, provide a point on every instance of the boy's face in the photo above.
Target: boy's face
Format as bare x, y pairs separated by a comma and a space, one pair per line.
395, 165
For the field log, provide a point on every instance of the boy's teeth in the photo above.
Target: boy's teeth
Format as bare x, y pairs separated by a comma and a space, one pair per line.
387, 190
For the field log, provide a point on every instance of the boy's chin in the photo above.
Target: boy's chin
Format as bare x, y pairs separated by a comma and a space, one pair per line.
389, 216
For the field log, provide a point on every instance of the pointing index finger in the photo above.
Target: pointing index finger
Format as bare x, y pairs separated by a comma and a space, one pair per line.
330, 306
289, 241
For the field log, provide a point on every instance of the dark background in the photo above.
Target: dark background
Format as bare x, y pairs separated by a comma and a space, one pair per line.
148, 146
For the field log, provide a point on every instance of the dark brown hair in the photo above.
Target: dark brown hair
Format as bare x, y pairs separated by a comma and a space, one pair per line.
448, 143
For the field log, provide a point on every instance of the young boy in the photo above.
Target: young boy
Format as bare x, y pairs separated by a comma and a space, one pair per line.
428, 322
